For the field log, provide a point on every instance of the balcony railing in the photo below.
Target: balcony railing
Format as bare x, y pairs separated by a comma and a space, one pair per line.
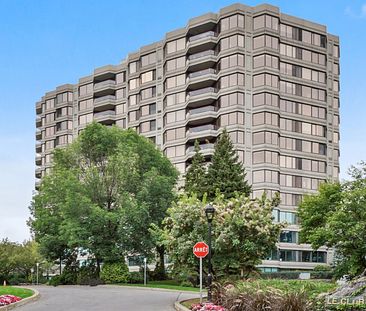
202, 110
202, 147
104, 98
202, 54
202, 35
202, 73
107, 113
107, 83
202, 128
203, 91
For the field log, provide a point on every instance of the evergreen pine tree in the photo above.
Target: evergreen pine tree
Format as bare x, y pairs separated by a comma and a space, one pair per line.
195, 182
226, 173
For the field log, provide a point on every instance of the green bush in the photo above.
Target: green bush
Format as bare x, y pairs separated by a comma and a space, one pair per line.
86, 275
55, 280
114, 272
135, 277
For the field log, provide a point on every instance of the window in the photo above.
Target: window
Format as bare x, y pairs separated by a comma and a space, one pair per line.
50, 117
265, 79
121, 123
175, 63
148, 110
64, 97
147, 76
86, 118
265, 118
148, 93
265, 99
148, 59
237, 137
231, 42
265, 138
231, 100
265, 60
86, 89
176, 151
174, 134
176, 45
302, 90
121, 93
288, 236
232, 119
148, 126
235, 79
175, 116
302, 109
133, 115
121, 77
120, 108
266, 21
233, 21
132, 67
133, 100
265, 157
174, 99
336, 51
265, 41
232, 61
134, 84
265, 176
299, 53
175, 81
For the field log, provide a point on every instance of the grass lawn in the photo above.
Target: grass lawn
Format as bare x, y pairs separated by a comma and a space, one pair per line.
168, 284
16, 291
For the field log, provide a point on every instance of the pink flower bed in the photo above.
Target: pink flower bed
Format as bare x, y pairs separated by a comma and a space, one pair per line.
8, 299
207, 307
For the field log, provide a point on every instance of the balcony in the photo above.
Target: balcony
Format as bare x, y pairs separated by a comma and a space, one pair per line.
39, 108
38, 173
202, 79
38, 147
38, 121
104, 102
38, 134
204, 147
203, 41
202, 60
201, 97
38, 159
105, 117
207, 131
106, 87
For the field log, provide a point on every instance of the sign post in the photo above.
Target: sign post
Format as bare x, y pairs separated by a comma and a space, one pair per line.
200, 250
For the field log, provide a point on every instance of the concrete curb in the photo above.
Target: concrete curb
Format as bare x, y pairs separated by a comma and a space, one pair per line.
179, 307
22, 302
154, 289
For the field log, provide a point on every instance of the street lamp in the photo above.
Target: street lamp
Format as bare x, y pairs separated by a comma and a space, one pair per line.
209, 211
37, 271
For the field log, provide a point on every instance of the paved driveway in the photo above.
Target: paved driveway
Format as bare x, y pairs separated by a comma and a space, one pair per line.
104, 298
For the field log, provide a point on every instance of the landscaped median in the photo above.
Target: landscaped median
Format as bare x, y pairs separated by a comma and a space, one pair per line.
14, 296
292, 295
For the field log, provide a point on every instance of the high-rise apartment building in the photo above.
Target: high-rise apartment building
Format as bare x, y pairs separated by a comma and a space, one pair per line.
271, 79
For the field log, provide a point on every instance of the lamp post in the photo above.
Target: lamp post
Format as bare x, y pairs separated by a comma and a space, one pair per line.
209, 211
37, 271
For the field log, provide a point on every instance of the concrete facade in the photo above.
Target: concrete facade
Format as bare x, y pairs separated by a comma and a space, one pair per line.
271, 79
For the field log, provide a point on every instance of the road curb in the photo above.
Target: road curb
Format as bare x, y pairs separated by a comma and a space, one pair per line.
22, 302
179, 307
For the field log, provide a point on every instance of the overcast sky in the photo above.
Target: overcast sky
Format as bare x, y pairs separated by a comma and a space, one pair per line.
48, 43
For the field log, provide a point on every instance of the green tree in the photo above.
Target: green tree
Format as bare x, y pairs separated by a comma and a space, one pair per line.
195, 179
336, 217
226, 173
104, 191
243, 233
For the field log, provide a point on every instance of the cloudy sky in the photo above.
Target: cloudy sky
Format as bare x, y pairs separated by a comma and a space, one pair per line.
48, 43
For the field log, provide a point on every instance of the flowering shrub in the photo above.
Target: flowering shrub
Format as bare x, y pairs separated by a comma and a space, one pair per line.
207, 307
8, 299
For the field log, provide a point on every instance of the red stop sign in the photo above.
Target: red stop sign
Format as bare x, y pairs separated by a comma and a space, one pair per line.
200, 249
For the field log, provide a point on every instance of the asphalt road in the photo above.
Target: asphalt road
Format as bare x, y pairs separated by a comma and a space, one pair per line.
104, 298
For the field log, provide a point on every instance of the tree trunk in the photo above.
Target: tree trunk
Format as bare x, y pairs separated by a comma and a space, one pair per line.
98, 267
160, 267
